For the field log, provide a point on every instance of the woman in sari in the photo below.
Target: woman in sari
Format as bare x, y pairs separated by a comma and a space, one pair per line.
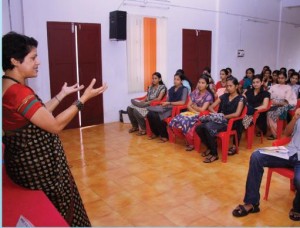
283, 99
138, 111
199, 101
177, 95
34, 157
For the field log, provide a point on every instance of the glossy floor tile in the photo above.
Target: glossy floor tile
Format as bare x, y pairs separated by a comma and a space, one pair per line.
128, 180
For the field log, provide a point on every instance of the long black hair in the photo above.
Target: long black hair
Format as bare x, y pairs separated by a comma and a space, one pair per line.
184, 77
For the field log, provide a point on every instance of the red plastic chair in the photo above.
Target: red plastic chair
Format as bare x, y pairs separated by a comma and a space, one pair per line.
286, 172
292, 112
251, 129
224, 136
282, 123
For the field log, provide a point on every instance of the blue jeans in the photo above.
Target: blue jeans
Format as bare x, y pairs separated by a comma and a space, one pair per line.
256, 170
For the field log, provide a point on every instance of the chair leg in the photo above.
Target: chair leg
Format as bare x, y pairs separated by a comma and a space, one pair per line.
197, 142
250, 136
171, 134
269, 176
225, 145
280, 126
236, 142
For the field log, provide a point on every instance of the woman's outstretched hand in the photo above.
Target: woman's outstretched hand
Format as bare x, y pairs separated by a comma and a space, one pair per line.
91, 92
66, 90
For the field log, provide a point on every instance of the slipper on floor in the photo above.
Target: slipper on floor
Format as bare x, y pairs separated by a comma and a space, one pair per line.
205, 153
133, 129
232, 151
240, 210
140, 133
211, 159
189, 148
152, 137
271, 137
295, 216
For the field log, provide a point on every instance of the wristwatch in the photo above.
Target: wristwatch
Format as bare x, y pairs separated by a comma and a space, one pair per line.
79, 105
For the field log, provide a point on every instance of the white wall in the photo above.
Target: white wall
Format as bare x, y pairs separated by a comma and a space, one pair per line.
230, 31
289, 49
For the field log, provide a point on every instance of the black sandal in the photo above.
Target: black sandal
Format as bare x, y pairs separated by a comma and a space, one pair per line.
189, 148
295, 216
140, 133
133, 129
271, 137
211, 159
240, 210
232, 151
205, 153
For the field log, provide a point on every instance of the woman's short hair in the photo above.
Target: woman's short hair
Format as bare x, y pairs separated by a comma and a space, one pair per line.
15, 46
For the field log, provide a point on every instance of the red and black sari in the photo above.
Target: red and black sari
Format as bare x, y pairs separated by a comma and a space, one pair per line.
35, 159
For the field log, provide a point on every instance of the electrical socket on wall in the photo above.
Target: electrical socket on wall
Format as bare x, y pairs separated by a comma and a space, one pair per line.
240, 53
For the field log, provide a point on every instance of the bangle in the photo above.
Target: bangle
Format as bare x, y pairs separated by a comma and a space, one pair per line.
79, 105
57, 99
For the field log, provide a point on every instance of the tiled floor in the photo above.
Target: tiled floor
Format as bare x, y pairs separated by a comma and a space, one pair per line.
128, 180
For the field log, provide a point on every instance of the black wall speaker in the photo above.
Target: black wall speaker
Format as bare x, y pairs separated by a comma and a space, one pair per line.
117, 25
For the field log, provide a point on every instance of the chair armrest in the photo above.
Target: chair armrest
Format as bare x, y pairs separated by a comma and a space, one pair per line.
232, 120
177, 109
155, 103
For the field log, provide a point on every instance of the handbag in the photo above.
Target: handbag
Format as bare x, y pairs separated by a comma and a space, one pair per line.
140, 104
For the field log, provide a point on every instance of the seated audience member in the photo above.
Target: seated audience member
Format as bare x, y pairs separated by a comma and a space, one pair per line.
177, 95
266, 78
222, 83
263, 70
199, 101
247, 80
231, 105
289, 74
185, 81
283, 99
293, 83
274, 79
206, 71
283, 70
137, 111
257, 98
229, 70
256, 169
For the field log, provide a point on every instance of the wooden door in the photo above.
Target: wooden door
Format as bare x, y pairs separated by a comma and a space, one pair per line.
62, 37
89, 59
196, 53
62, 63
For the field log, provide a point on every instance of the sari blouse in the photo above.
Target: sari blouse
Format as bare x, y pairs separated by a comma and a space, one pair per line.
199, 99
19, 103
153, 93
